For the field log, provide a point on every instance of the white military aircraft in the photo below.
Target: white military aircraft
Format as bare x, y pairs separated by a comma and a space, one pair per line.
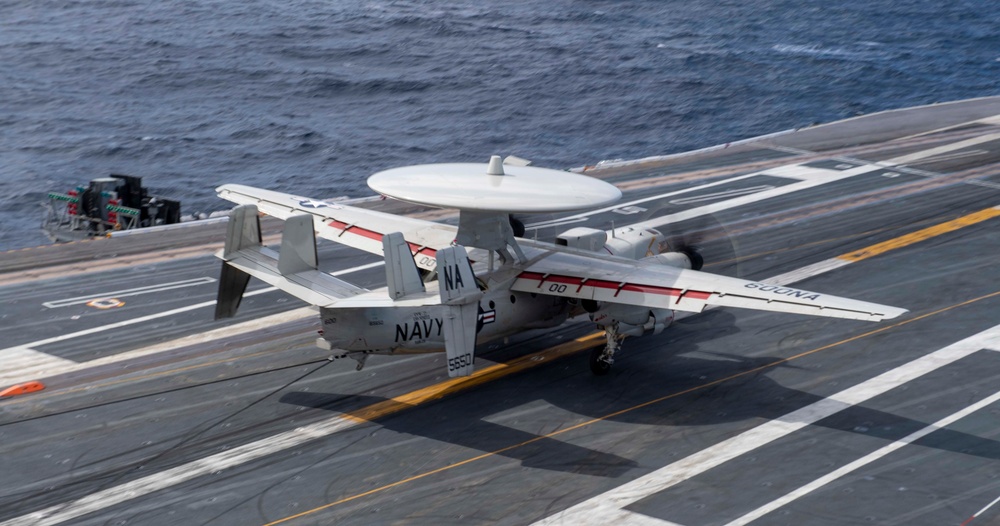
449, 288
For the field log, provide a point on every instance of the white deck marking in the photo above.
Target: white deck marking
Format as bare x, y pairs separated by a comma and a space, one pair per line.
830, 176
38, 365
953, 156
816, 177
601, 508
11, 370
183, 473
576, 218
980, 512
799, 172
592, 512
808, 271
149, 289
863, 461
24, 363
924, 154
719, 195
260, 448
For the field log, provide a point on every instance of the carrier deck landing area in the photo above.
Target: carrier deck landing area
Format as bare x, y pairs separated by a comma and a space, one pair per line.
153, 413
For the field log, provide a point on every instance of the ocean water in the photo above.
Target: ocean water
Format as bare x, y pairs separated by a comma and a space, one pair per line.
311, 97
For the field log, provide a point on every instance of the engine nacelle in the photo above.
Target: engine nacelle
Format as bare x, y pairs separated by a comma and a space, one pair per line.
590, 239
635, 243
670, 259
628, 242
632, 320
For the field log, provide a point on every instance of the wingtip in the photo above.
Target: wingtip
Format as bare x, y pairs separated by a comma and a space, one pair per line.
892, 313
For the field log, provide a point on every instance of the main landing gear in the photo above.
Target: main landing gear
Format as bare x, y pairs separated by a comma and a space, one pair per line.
602, 358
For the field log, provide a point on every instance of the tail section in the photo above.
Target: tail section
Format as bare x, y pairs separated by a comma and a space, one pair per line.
242, 232
401, 275
460, 302
294, 270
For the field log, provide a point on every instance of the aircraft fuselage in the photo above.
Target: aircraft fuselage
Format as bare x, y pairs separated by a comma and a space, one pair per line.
418, 329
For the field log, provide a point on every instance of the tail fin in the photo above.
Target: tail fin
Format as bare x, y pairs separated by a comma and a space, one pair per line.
293, 270
243, 231
401, 275
460, 300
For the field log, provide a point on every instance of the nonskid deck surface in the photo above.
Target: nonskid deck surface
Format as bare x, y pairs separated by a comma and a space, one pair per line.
155, 414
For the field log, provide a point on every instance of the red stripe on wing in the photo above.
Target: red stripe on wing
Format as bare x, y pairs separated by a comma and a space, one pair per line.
377, 236
613, 285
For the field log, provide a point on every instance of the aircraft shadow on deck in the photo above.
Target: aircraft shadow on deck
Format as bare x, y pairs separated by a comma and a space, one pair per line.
462, 419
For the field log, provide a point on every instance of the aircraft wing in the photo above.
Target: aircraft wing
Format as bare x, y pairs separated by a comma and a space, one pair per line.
659, 286
355, 227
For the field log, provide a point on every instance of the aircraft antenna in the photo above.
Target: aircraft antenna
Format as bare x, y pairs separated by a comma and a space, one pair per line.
496, 166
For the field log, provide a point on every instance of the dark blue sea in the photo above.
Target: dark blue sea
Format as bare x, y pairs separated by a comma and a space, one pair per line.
312, 97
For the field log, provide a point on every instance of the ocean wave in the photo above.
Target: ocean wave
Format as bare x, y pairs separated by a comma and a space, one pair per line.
312, 97
862, 51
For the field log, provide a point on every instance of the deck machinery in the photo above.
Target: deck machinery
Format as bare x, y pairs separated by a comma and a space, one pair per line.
107, 204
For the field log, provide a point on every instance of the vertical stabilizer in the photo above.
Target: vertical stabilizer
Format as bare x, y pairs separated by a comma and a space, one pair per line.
298, 246
243, 231
460, 298
401, 275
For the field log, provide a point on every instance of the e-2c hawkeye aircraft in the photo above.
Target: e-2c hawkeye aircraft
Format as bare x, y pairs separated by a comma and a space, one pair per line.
449, 288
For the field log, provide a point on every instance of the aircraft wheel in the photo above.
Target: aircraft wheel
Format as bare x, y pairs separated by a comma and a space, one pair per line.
598, 365
517, 226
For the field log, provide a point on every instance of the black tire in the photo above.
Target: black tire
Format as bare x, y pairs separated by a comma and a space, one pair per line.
598, 366
517, 226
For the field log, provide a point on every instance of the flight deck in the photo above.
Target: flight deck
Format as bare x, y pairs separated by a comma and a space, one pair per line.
154, 413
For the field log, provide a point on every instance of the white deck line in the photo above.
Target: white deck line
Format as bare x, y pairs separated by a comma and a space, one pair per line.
599, 510
583, 216
863, 461
592, 510
252, 451
16, 362
148, 289
819, 179
925, 154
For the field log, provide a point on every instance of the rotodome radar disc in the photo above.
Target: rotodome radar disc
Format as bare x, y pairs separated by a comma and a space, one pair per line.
493, 187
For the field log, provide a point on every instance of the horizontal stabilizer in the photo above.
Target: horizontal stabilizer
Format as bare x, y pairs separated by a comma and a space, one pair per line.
293, 271
312, 286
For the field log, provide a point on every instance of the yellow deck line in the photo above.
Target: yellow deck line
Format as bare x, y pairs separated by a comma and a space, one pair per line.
921, 235
481, 376
487, 374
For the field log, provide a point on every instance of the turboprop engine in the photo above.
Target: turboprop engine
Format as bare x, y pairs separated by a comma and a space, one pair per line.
643, 244
648, 246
